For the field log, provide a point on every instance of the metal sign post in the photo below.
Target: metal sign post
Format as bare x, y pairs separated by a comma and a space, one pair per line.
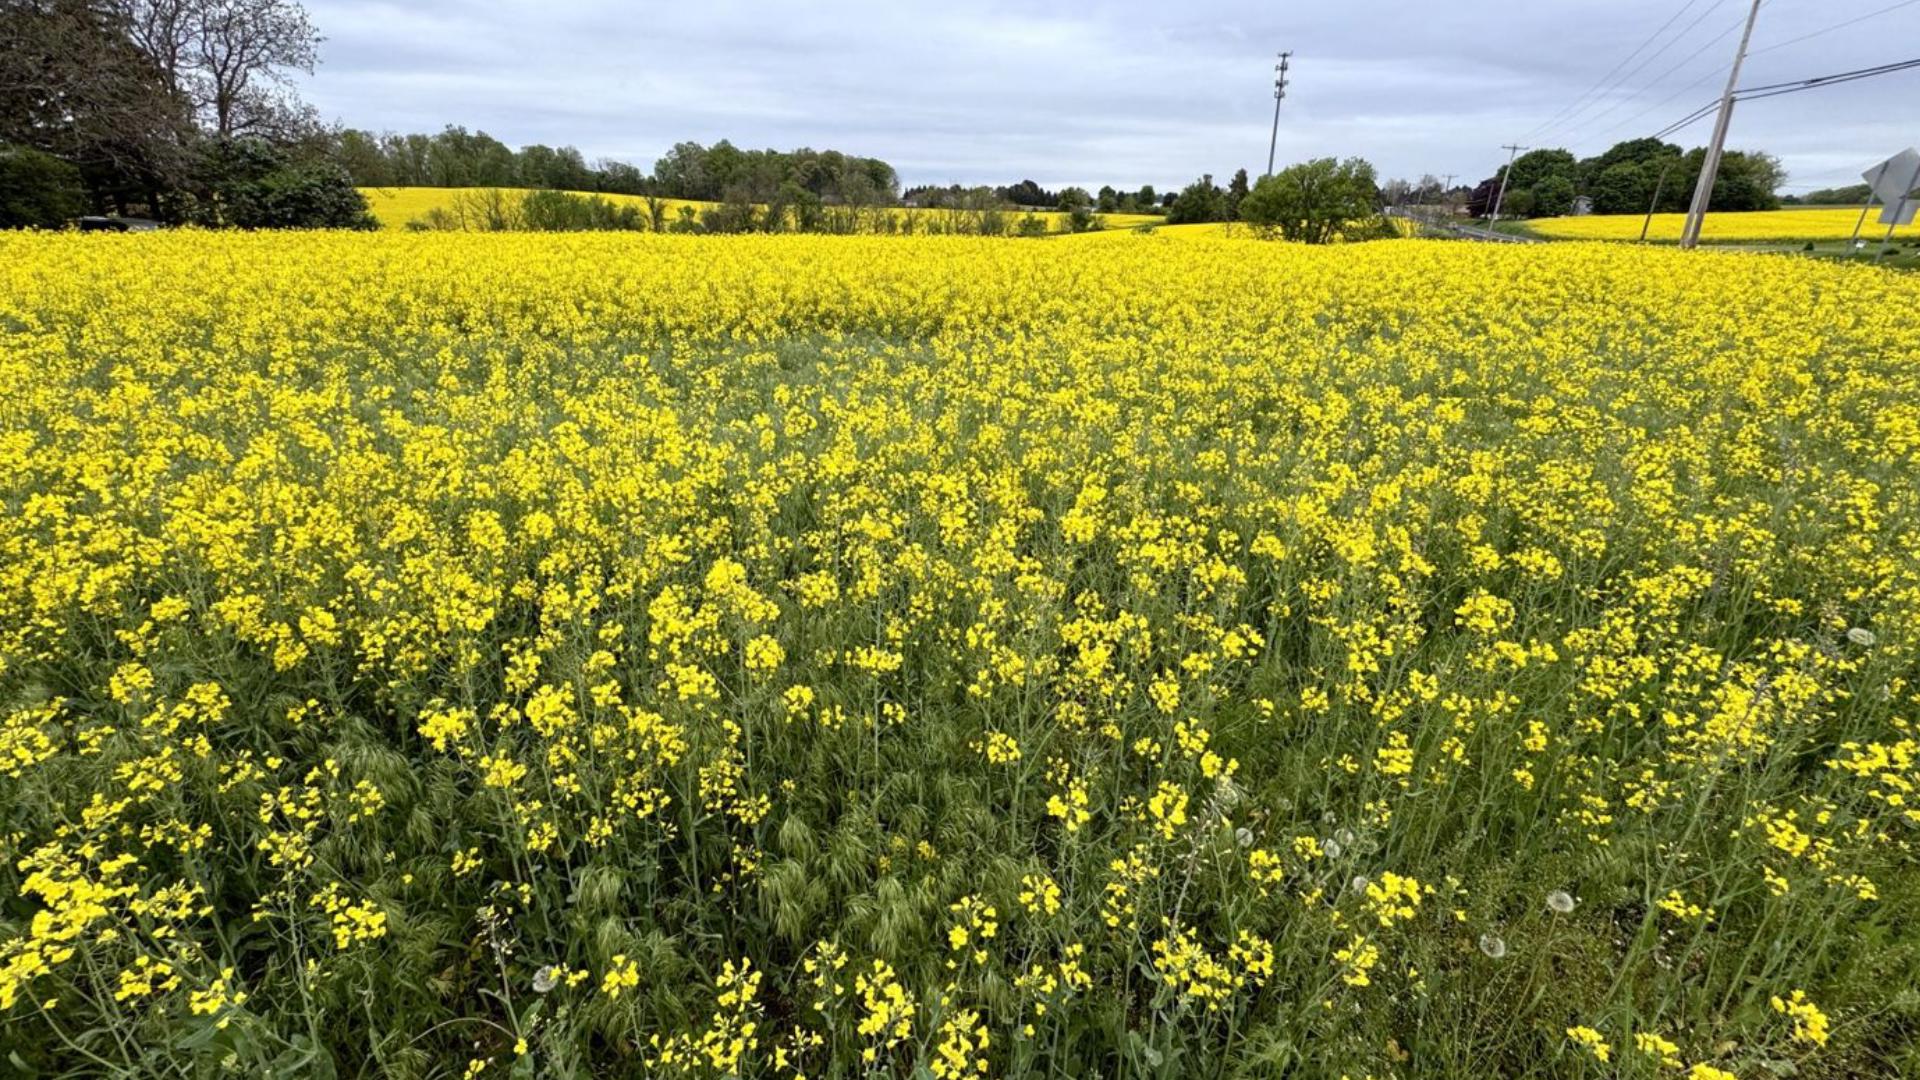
1893, 182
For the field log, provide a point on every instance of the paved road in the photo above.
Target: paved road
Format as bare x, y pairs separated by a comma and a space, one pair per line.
1462, 229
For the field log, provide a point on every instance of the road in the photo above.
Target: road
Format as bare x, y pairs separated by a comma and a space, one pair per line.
1460, 229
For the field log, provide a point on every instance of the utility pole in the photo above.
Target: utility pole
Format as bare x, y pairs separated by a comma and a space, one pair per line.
1279, 95
1710, 169
1658, 188
1501, 195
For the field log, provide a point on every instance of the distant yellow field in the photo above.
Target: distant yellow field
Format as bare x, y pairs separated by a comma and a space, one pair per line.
396, 207
1835, 223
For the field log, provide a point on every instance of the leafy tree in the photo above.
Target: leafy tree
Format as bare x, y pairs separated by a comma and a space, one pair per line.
1074, 198
1198, 202
1530, 168
1747, 180
1631, 152
74, 85
1147, 197
735, 214
1623, 188
1236, 191
1028, 193
564, 211
1314, 201
38, 190
252, 184
1553, 197
1108, 200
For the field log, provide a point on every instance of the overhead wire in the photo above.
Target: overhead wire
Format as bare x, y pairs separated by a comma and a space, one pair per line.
1569, 109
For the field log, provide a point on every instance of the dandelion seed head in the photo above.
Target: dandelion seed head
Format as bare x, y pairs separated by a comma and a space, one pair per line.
1493, 945
1560, 900
1862, 637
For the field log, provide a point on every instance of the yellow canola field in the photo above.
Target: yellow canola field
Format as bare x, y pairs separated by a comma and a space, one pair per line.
396, 207
1825, 223
435, 655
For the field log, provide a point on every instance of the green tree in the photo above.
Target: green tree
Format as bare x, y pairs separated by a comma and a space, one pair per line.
1530, 168
1313, 201
38, 190
1236, 191
1553, 197
1623, 188
1199, 201
252, 184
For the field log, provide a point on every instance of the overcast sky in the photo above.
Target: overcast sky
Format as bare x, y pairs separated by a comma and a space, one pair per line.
1122, 93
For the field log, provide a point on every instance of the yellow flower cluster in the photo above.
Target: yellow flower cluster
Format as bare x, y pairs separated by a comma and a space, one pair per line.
1793, 223
390, 621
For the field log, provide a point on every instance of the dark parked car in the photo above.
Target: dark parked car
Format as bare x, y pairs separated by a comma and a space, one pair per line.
117, 224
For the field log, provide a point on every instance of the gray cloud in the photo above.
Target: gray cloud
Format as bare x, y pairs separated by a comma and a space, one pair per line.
1123, 93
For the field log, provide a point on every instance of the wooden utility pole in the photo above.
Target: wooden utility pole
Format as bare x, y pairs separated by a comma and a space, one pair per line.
1658, 188
1501, 195
1710, 169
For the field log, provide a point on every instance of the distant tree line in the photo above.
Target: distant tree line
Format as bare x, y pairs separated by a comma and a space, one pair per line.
1851, 195
179, 110
1027, 195
456, 157
1630, 177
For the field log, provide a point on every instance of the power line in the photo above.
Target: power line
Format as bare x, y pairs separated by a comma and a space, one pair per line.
1577, 102
1691, 119
1668, 100
1642, 66
1756, 93
1818, 82
1663, 102
1663, 76
1836, 26
1795, 86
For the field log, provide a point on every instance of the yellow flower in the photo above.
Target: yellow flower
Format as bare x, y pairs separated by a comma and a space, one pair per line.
1592, 1041
1809, 1023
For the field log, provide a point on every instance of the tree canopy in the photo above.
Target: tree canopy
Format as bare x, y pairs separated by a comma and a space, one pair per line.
1313, 201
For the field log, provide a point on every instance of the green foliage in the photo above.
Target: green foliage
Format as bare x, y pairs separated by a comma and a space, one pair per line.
1851, 195
1532, 168
1623, 188
251, 184
1237, 190
1200, 201
37, 190
1312, 202
560, 211
1553, 197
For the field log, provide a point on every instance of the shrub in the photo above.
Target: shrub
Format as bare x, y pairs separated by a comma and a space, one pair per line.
38, 191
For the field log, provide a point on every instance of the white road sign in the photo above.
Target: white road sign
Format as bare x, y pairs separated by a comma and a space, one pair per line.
1894, 180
